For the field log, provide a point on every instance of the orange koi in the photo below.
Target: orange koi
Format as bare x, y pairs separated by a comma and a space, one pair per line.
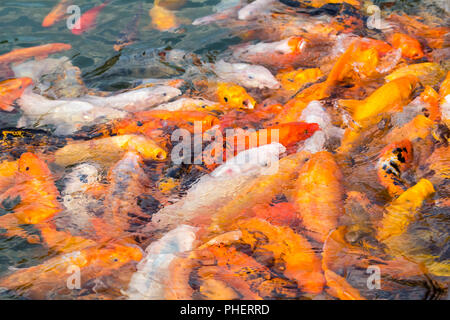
293, 108
88, 19
301, 263
163, 19
109, 150
402, 211
389, 97
318, 196
57, 14
36, 194
295, 80
11, 90
39, 52
128, 183
431, 98
275, 54
39, 281
8, 170
235, 96
394, 160
288, 134
410, 47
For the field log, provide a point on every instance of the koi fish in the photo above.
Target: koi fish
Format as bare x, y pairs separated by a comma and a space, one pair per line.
189, 104
401, 212
217, 188
128, 184
410, 47
246, 75
147, 283
274, 54
429, 73
108, 150
288, 134
57, 13
235, 96
293, 81
36, 195
40, 281
67, 116
258, 191
394, 160
250, 161
389, 97
88, 20
254, 9
11, 90
300, 261
39, 52
163, 19
293, 109
318, 196
135, 100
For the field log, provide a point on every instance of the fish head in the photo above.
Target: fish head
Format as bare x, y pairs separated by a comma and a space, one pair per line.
16, 85
31, 165
235, 96
259, 77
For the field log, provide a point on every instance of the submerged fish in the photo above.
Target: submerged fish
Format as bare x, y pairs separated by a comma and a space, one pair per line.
246, 75
11, 90
88, 20
108, 150
281, 53
41, 281
152, 275
39, 52
390, 97
57, 13
67, 116
318, 196
135, 100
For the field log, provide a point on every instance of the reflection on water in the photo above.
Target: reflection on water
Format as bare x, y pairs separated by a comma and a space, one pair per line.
308, 231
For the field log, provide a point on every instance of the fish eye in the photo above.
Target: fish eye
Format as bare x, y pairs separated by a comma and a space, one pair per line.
139, 124
226, 99
27, 169
84, 178
250, 77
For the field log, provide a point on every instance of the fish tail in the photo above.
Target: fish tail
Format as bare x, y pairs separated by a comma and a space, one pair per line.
350, 105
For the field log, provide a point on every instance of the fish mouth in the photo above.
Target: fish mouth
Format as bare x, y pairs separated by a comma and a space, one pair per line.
248, 104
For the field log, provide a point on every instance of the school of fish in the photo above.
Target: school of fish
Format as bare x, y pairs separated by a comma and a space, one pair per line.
338, 162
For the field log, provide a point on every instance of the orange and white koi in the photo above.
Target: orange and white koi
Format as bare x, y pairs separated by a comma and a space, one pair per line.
276, 54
